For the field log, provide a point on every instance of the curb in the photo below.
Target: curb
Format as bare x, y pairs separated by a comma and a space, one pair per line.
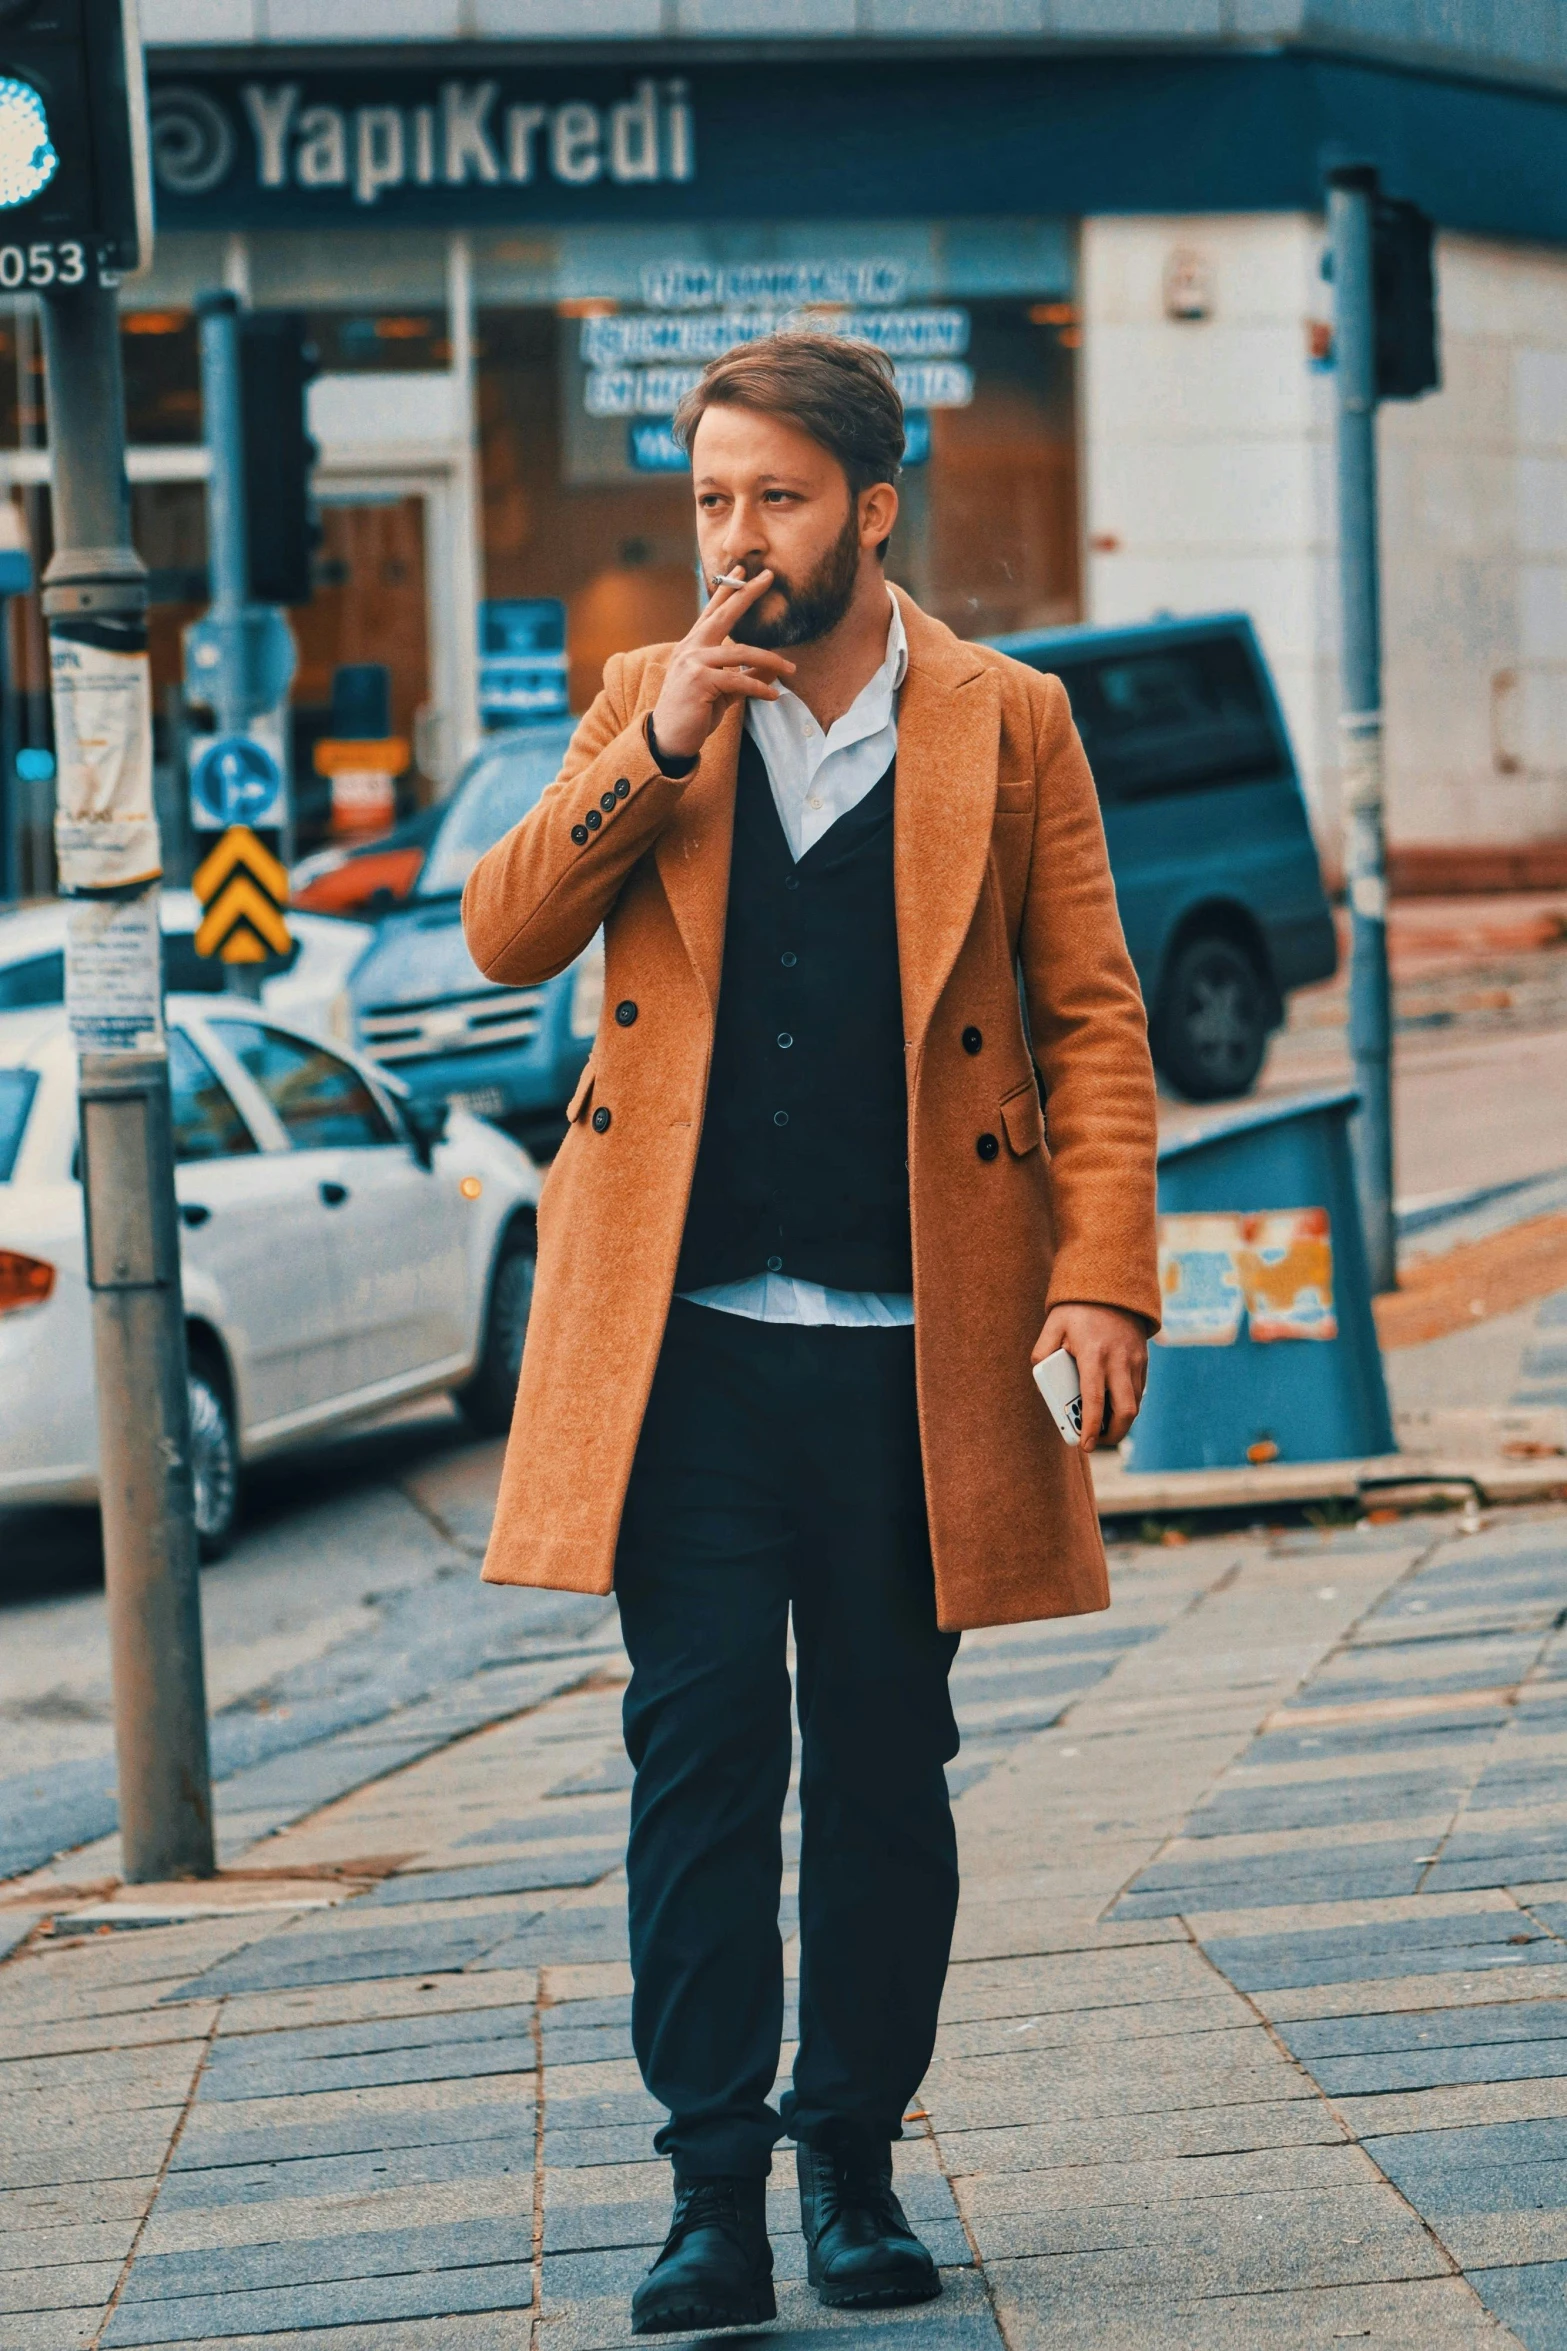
1122, 1493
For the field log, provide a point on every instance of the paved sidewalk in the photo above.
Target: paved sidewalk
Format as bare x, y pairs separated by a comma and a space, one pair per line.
1256, 2034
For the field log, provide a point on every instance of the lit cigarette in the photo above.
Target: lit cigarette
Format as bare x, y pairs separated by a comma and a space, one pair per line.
730, 579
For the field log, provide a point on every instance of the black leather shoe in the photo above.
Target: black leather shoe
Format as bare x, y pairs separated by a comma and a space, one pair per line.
716, 2269
861, 2252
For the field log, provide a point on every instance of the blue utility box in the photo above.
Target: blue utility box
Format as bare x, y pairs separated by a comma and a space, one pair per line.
1269, 1351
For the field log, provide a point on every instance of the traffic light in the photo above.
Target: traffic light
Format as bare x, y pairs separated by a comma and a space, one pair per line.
1405, 295
276, 364
75, 192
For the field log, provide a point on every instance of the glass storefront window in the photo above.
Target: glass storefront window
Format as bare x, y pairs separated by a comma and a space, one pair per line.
595, 508
380, 341
162, 361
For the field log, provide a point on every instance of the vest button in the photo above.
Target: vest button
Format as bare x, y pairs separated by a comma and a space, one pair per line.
607, 803
973, 1039
986, 1146
581, 835
601, 1120
592, 819
622, 787
785, 1040
626, 1013
780, 1118
791, 881
788, 959
775, 1265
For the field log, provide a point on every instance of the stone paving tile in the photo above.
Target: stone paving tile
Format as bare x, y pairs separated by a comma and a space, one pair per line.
399, 1996
58, 2286
359, 2130
86, 2148
1043, 2312
56, 2330
1531, 2299
381, 2300
506, 2154
309, 2261
422, 2204
69, 2242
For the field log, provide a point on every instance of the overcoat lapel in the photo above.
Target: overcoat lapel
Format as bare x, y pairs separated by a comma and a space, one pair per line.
694, 847
949, 734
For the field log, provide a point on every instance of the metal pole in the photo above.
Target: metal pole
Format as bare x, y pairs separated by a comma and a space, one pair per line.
1350, 197
95, 598
227, 568
228, 564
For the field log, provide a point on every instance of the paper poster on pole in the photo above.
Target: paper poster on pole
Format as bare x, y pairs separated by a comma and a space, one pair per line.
114, 975
105, 831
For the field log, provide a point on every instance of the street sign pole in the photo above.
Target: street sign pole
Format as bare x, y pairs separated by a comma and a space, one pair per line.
227, 553
95, 599
1351, 195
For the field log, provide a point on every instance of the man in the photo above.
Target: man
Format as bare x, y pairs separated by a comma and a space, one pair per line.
800, 1245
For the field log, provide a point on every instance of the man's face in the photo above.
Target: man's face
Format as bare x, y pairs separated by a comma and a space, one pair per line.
768, 497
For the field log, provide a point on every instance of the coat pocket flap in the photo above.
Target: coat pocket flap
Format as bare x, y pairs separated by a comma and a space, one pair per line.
1023, 1119
582, 1097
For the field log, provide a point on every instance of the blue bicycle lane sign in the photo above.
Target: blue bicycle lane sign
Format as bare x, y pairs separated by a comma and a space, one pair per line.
236, 780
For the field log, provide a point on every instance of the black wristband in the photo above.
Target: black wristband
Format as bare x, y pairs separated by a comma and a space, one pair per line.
668, 765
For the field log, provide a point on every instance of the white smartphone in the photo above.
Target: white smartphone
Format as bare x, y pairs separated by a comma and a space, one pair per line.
1057, 1381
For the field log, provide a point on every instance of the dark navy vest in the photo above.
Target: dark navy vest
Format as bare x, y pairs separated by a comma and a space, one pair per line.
803, 1164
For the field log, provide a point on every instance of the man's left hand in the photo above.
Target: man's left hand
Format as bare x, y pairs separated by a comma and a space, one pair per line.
1110, 1348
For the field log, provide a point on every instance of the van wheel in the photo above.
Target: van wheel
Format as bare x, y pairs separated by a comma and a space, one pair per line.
214, 1461
486, 1400
1210, 1029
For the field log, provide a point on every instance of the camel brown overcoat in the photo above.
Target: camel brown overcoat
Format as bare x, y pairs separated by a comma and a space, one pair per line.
999, 863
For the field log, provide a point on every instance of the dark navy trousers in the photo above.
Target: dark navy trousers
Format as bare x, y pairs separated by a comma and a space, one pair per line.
778, 1473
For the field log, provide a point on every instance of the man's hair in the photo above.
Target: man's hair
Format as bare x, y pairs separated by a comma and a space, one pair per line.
843, 394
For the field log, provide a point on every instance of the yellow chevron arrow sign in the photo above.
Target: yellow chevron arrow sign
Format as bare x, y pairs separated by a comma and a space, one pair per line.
244, 889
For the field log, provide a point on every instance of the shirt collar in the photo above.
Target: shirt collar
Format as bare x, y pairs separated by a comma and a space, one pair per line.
874, 706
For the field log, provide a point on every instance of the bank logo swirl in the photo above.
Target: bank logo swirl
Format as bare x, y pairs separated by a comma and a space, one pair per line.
192, 140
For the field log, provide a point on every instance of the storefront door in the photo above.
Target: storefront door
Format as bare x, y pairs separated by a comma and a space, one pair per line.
371, 604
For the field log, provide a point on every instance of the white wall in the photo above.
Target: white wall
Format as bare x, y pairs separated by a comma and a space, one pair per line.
1208, 460
1474, 532
1207, 450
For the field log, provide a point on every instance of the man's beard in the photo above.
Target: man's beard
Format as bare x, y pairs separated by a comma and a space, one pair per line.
816, 606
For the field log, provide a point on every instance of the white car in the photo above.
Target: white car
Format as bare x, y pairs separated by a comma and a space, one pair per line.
342, 1248
312, 988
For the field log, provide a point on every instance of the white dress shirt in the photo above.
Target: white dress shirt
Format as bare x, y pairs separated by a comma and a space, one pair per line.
815, 779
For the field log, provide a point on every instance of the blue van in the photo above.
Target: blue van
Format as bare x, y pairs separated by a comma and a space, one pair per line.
1215, 869
421, 1005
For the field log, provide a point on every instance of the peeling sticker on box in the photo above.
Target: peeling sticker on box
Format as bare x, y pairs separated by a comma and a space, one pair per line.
1199, 1280
1270, 1271
1286, 1271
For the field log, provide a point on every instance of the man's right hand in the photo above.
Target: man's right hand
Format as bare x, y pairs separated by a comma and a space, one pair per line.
708, 670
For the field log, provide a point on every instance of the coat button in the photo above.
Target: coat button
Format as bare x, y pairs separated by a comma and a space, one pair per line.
607, 803
626, 1013
780, 1118
592, 819
784, 1040
973, 1039
788, 959
622, 787
601, 1123
791, 881
775, 1265
581, 835
986, 1146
